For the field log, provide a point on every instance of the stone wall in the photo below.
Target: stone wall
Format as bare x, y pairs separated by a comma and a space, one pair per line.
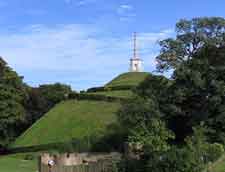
73, 159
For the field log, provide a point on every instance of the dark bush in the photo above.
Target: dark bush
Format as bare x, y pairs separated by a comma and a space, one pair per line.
95, 89
95, 97
114, 88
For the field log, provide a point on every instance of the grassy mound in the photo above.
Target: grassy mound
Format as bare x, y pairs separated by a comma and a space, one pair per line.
80, 119
130, 78
70, 120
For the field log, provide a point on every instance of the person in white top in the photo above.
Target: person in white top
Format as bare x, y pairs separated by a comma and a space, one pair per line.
51, 163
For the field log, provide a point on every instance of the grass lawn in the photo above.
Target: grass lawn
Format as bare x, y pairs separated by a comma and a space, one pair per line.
130, 78
17, 164
68, 120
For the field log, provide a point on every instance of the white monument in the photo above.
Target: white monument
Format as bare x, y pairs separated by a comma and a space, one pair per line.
135, 61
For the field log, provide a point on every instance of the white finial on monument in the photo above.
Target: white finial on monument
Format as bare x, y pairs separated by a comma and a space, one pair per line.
135, 61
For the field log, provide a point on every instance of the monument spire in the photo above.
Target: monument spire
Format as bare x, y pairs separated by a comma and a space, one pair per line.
135, 61
135, 46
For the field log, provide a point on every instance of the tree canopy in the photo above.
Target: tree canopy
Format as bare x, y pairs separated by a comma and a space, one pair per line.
21, 105
191, 35
12, 97
179, 122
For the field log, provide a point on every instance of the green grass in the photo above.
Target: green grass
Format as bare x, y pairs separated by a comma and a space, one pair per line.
79, 119
70, 119
218, 166
17, 164
130, 78
115, 93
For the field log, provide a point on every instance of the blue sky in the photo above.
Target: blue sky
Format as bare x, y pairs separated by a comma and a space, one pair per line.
86, 43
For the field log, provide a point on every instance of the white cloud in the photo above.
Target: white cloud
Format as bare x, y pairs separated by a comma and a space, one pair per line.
126, 12
126, 7
74, 50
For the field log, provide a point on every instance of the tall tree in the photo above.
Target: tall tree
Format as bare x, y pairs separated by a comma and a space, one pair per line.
12, 96
198, 93
191, 35
43, 98
140, 118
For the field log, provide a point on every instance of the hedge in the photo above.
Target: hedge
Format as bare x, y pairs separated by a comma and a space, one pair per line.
95, 89
84, 96
114, 88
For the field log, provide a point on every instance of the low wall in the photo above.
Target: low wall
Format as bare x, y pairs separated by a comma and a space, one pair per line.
78, 162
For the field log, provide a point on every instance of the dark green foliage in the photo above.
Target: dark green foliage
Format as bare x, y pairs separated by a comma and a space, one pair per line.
12, 97
95, 89
192, 35
21, 105
146, 132
137, 111
36, 105
118, 87
197, 94
43, 98
84, 96
112, 141
176, 160
54, 93
151, 136
192, 156
154, 87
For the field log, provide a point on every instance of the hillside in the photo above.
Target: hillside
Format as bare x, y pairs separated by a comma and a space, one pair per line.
77, 119
129, 78
115, 88
70, 119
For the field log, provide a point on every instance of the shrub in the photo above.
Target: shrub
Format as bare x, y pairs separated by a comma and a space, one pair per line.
95, 89
213, 152
84, 96
114, 88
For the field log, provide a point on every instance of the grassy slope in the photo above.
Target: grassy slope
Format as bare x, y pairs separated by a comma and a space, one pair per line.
70, 119
78, 119
125, 79
17, 164
130, 78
